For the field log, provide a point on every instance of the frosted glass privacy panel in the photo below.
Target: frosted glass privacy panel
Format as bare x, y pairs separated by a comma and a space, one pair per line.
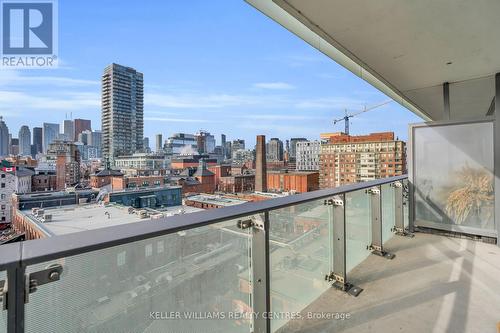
453, 177
301, 256
182, 282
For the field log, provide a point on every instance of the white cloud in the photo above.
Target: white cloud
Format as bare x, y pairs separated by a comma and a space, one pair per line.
204, 101
21, 101
10, 78
274, 85
280, 117
176, 120
333, 103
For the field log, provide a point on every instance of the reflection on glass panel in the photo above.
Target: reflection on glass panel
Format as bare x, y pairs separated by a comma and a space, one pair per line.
358, 227
3, 316
182, 282
406, 203
388, 212
301, 256
453, 175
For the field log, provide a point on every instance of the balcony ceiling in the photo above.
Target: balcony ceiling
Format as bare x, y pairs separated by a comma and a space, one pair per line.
412, 47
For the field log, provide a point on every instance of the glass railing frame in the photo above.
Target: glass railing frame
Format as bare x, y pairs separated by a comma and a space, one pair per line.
14, 258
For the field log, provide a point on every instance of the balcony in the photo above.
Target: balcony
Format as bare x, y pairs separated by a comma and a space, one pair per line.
329, 260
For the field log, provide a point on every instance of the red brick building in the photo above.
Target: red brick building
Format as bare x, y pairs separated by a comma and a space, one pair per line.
237, 183
103, 178
191, 161
220, 171
346, 159
285, 181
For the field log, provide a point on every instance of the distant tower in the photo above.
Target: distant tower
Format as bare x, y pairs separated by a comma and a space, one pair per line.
159, 145
260, 164
4, 138
122, 111
24, 141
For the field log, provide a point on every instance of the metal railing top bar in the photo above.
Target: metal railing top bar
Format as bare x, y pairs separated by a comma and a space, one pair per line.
41, 250
10, 255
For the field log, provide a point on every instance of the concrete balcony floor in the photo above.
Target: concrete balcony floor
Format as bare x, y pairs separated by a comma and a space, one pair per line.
435, 284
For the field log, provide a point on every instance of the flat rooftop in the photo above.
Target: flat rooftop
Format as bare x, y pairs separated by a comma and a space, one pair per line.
76, 218
215, 200
434, 284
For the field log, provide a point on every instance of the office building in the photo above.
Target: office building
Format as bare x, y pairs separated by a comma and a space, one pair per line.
24, 141
292, 151
37, 140
122, 111
238, 144
142, 161
81, 125
181, 144
50, 133
275, 150
159, 143
307, 155
69, 130
205, 142
145, 145
96, 137
4, 138
68, 158
347, 159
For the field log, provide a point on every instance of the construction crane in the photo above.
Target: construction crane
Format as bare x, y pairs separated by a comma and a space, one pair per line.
347, 116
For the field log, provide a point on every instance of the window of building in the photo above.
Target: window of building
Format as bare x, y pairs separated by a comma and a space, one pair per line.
160, 247
121, 258
3, 175
3, 185
148, 250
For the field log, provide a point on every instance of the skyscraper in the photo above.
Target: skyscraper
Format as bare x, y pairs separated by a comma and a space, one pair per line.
275, 150
24, 141
4, 138
293, 146
37, 140
69, 130
159, 145
122, 111
50, 132
145, 144
81, 125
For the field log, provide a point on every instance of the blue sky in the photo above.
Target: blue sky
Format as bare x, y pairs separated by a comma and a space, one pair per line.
218, 65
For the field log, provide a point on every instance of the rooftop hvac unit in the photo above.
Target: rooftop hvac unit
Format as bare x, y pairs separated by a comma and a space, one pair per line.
40, 212
34, 210
47, 218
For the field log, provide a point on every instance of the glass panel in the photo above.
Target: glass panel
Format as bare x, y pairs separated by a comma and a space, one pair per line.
453, 176
3, 316
301, 256
388, 212
182, 282
358, 227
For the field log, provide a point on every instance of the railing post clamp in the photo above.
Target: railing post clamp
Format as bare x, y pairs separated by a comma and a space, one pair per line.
51, 274
340, 284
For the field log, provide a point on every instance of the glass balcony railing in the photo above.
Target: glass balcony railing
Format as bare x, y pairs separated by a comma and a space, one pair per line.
246, 268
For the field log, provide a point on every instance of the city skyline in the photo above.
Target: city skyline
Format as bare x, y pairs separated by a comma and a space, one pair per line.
202, 76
